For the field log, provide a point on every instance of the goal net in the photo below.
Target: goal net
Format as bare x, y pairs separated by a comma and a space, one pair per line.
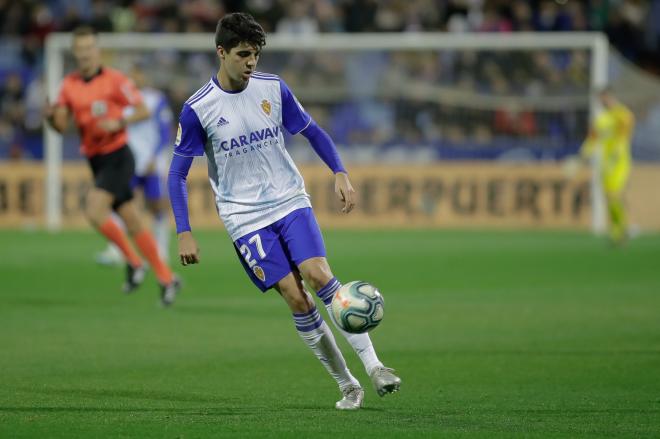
389, 98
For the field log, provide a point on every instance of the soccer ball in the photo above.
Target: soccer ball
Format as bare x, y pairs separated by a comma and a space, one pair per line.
357, 307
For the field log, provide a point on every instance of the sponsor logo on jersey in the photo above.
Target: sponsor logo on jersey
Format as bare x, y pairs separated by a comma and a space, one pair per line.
259, 272
265, 105
99, 108
222, 122
255, 138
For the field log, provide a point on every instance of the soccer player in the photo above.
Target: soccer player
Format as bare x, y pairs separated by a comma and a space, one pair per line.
96, 96
236, 119
148, 140
612, 131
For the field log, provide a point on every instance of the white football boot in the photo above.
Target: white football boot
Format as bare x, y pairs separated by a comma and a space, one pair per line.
352, 400
384, 380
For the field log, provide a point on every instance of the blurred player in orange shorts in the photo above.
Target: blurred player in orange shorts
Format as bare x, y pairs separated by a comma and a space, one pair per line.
96, 96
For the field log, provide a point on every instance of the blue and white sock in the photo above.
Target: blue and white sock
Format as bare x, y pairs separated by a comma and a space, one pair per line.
317, 335
361, 343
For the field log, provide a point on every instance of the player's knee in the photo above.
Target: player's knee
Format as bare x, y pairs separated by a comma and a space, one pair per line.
130, 217
299, 302
318, 275
133, 226
316, 272
96, 212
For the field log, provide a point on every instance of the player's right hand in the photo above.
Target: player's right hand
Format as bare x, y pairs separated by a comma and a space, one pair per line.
48, 110
188, 250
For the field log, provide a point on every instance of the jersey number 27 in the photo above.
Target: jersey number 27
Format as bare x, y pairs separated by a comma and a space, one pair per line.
247, 254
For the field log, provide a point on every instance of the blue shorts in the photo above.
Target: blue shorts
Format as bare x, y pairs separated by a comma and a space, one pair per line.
152, 186
271, 253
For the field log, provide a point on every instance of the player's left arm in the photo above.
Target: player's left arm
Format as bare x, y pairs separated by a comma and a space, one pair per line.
296, 120
326, 149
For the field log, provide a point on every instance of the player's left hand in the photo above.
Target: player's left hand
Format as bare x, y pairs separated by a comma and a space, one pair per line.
188, 250
111, 125
345, 191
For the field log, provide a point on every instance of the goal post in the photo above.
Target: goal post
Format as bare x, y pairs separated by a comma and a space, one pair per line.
58, 45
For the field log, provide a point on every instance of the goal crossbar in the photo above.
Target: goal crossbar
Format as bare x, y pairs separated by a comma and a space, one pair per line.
58, 43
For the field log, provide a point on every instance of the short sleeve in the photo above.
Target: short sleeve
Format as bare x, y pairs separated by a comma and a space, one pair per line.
190, 136
294, 117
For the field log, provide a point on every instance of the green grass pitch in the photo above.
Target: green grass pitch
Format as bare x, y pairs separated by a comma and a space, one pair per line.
495, 334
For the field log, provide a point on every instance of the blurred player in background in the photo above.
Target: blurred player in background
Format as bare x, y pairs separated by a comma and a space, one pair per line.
236, 119
96, 97
612, 132
149, 141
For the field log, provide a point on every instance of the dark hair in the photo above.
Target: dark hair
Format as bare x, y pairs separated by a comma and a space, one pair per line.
83, 31
234, 29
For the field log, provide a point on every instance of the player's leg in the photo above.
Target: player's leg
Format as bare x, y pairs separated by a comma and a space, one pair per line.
266, 263
157, 206
305, 244
614, 183
98, 205
318, 276
617, 214
98, 211
111, 254
317, 335
125, 207
144, 240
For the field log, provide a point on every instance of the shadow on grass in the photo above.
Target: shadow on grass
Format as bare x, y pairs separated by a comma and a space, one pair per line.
212, 405
131, 394
80, 409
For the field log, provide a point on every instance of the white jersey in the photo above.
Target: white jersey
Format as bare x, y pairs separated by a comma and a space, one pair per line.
254, 179
149, 137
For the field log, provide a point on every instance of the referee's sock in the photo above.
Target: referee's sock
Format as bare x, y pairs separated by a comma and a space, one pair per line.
111, 230
147, 245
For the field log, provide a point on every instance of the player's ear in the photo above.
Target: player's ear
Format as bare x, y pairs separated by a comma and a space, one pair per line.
221, 52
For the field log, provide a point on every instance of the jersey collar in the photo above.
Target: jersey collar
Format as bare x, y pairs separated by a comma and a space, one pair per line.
214, 78
90, 78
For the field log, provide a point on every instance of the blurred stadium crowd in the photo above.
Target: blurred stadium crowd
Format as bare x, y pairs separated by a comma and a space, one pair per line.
425, 103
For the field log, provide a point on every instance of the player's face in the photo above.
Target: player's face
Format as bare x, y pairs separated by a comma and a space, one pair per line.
240, 61
86, 53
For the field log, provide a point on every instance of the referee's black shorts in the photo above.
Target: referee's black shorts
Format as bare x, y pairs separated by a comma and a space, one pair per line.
113, 173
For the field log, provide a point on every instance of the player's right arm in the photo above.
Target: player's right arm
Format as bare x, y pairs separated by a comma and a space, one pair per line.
190, 141
57, 114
